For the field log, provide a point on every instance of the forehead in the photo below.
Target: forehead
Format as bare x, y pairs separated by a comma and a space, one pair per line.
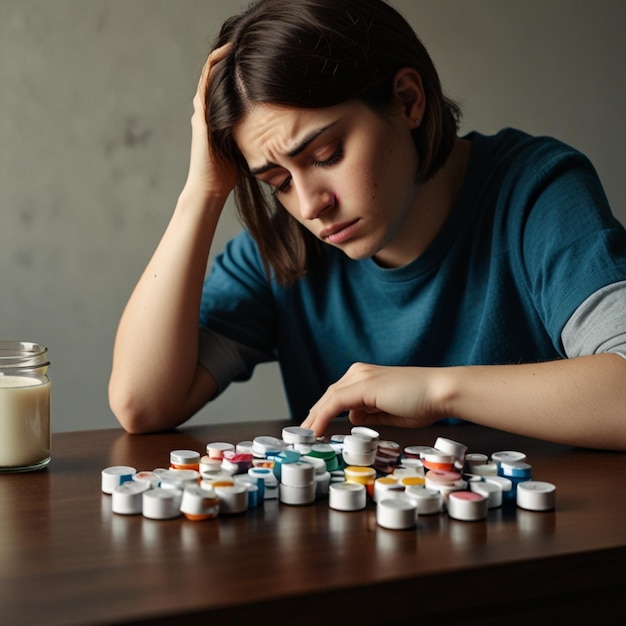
270, 131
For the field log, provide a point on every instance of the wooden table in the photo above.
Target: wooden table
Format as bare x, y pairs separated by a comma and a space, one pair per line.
66, 559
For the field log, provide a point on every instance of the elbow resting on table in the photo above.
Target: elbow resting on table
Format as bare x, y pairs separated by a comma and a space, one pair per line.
157, 408
135, 415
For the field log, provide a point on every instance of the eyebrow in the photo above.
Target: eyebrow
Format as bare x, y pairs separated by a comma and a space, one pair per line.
298, 149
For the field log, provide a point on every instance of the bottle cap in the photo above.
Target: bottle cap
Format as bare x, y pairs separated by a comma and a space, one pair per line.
507, 455
297, 434
327, 452
386, 485
476, 458
347, 496
178, 478
215, 449
208, 465
359, 474
318, 464
438, 460
467, 506
444, 477
420, 481
415, 452
297, 495
454, 448
356, 444
491, 491
298, 474
113, 476
244, 446
263, 445
364, 459
396, 513
151, 478
515, 469
485, 469
184, 459
505, 484
233, 498
535, 495
159, 503
322, 483
127, 498
428, 501
369, 434
199, 503
390, 449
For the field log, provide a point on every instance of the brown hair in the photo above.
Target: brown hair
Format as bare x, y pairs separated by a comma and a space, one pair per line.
315, 54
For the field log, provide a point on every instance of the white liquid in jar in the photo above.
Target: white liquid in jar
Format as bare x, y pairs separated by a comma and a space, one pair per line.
24, 421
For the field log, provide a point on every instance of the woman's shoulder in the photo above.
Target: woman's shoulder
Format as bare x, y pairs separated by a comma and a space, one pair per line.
240, 258
511, 147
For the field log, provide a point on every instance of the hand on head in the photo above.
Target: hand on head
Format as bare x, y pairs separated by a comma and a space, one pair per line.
208, 174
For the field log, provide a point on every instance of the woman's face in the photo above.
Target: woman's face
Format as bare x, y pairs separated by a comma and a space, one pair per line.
347, 173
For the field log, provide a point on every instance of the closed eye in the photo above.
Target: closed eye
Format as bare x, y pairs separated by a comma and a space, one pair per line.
334, 158
282, 187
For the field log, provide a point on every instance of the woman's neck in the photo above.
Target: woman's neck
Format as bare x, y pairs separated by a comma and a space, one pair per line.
433, 202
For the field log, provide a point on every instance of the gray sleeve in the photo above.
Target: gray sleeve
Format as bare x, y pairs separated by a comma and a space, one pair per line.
598, 324
227, 360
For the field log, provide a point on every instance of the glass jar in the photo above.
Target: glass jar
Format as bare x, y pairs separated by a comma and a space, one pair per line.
24, 406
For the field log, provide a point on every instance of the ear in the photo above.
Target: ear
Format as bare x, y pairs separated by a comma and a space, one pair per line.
409, 95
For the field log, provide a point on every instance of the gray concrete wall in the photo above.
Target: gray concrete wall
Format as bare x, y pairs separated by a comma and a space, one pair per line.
95, 100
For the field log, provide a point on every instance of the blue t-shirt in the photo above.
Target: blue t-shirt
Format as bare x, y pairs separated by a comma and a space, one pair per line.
529, 238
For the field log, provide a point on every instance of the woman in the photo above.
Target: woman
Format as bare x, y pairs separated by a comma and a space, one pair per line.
396, 271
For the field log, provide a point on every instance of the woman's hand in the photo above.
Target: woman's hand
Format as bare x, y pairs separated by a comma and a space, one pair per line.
209, 176
395, 396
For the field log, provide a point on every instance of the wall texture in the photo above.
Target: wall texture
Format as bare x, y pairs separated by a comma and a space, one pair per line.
95, 100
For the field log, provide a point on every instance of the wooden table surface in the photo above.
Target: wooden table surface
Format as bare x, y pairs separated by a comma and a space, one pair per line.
66, 559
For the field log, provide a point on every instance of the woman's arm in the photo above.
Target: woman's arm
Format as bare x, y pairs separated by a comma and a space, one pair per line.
156, 382
579, 401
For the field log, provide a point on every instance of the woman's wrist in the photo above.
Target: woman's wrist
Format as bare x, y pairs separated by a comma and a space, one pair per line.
445, 390
192, 199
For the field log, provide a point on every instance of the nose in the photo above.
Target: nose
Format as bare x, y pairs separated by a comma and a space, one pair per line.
314, 200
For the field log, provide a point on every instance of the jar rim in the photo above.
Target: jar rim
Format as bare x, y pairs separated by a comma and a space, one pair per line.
22, 354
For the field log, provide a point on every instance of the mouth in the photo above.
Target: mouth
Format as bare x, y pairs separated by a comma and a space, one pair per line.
338, 233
